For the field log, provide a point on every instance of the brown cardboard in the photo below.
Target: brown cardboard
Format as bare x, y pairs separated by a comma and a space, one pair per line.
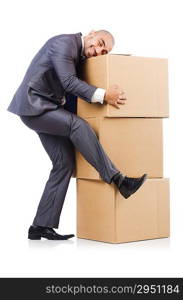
104, 215
144, 79
135, 146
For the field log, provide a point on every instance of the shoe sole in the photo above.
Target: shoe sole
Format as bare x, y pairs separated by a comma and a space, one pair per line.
38, 237
128, 194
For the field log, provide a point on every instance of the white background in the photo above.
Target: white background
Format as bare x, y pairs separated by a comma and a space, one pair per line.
145, 28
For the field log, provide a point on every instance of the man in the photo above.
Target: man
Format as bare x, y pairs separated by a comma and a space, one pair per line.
42, 101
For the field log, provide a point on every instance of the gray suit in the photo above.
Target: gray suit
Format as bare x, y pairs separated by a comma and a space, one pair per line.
52, 73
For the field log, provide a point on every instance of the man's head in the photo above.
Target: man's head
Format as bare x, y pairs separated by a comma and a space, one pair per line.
98, 43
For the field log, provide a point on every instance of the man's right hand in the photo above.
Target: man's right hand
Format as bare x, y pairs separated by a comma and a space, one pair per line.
115, 96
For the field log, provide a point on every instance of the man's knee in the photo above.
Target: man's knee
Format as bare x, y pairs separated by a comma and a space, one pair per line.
79, 123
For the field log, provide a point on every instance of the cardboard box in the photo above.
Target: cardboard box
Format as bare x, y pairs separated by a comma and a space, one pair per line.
104, 215
144, 79
134, 145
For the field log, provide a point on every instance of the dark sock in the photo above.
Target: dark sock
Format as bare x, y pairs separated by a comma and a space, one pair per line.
117, 178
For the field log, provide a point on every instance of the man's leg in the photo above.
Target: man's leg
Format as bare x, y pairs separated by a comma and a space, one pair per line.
64, 123
62, 154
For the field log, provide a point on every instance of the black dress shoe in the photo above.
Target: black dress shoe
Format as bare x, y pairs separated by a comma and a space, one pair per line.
38, 232
127, 185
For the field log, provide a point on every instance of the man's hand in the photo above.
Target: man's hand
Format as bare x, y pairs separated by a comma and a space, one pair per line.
115, 96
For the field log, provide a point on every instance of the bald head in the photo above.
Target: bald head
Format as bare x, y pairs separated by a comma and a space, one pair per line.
98, 43
107, 33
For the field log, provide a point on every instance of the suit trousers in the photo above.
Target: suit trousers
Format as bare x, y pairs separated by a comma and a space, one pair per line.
61, 132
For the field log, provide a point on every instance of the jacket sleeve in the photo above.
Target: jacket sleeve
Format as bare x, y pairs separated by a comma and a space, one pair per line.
62, 55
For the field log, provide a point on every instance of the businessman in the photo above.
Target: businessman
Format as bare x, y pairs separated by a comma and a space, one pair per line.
46, 102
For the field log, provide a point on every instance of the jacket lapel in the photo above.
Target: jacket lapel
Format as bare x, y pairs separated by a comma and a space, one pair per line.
81, 58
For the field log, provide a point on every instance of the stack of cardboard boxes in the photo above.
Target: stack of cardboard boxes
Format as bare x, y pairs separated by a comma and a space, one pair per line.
132, 136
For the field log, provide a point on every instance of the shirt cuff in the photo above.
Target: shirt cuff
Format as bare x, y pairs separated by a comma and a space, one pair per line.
98, 96
63, 100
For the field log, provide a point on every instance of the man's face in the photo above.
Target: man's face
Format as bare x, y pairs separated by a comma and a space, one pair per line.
96, 44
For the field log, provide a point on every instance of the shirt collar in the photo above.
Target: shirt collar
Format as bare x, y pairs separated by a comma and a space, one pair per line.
82, 41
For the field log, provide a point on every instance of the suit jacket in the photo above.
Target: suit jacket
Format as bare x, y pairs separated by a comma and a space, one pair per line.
52, 74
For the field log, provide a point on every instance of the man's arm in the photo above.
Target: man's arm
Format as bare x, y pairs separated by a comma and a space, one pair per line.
113, 95
63, 59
